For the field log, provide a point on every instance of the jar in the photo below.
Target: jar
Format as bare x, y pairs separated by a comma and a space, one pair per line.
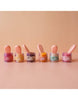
43, 57
8, 57
66, 57
54, 57
19, 57
30, 57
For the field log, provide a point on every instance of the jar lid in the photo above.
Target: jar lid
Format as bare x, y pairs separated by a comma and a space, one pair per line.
8, 54
43, 54
31, 54
66, 54
54, 54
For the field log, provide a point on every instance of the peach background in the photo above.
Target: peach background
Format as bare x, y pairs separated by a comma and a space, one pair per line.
31, 28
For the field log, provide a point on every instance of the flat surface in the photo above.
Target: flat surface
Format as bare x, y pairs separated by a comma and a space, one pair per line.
39, 75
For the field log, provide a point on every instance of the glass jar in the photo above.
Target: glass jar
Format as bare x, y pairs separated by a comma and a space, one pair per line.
19, 57
66, 57
8, 57
31, 57
54, 57
43, 57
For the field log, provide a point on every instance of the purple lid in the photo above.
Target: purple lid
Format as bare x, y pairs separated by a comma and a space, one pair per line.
31, 54
66, 54
8, 54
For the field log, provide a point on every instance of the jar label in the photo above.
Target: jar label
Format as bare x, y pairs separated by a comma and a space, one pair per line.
30, 58
66, 58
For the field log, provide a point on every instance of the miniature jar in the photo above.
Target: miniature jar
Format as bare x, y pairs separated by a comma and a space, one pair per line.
8, 57
54, 57
43, 57
19, 57
30, 57
66, 57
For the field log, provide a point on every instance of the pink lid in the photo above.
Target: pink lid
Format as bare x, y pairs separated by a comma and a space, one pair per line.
66, 54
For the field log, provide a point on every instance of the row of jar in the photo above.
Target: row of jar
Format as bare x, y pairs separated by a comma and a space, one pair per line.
31, 56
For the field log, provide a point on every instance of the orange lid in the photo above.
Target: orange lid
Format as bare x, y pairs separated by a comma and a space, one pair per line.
43, 54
